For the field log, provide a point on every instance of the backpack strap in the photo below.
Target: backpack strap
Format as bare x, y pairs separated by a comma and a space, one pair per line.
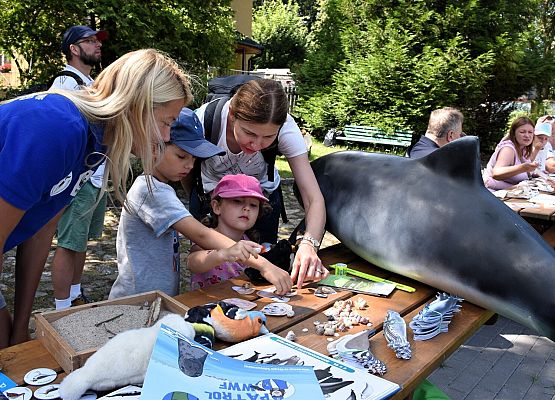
270, 155
67, 73
212, 124
213, 119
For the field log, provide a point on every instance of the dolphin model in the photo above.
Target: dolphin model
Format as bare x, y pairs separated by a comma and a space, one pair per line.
432, 220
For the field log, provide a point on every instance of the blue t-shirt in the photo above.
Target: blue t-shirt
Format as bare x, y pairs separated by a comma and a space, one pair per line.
46, 148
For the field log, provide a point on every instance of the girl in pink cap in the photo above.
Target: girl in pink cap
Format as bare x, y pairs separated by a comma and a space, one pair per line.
237, 202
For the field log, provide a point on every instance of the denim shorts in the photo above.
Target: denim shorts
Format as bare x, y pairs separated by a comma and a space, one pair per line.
82, 220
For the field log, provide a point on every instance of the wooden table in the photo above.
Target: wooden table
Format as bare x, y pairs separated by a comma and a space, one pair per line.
426, 355
541, 217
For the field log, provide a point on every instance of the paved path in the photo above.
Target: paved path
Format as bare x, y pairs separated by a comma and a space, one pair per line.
504, 361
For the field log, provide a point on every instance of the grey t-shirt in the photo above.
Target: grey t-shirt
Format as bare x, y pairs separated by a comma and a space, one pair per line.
145, 240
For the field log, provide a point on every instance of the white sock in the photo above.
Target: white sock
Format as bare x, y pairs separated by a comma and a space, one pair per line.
74, 291
63, 304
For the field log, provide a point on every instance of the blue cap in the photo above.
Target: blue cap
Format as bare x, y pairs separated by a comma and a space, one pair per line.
78, 32
188, 134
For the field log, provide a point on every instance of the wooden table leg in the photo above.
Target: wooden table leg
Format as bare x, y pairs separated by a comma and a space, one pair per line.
549, 236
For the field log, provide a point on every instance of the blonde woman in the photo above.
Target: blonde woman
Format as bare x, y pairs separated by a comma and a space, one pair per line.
50, 144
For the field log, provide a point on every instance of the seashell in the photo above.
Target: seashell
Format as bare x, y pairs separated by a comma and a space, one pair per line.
290, 314
277, 309
321, 292
291, 336
305, 329
320, 330
327, 290
361, 304
329, 331
154, 311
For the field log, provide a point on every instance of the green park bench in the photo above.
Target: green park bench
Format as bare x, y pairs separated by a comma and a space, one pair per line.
373, 135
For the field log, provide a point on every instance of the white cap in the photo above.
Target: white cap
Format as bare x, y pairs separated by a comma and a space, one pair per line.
543, 128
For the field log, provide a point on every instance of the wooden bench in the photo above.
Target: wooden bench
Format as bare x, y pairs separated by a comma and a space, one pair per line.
373, 135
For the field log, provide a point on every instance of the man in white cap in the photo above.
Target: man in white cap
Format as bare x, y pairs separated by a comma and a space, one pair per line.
83, 219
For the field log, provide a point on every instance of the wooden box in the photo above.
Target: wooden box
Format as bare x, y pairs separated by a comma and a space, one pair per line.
70, 359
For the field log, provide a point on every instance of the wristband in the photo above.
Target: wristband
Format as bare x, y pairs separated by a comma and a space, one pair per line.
310, 240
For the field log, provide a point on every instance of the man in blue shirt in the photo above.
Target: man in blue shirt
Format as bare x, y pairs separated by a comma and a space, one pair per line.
444, 126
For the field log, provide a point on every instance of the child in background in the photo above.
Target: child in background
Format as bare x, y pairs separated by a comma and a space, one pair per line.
237, 202
550, 146
542, 134
146, 231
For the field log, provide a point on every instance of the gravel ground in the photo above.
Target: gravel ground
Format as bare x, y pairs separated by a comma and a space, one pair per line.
101, 264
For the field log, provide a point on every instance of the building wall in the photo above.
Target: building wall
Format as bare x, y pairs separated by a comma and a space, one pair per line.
243, 16
243, 23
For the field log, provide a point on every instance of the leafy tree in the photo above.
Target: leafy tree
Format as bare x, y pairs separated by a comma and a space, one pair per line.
307, 10
325, 50
278, 27
197, 33
541, 53
401, 59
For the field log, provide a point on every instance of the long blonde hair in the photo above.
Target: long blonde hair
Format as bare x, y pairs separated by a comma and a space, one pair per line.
123, 98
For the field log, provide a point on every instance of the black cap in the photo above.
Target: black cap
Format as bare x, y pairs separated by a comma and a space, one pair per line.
78, 32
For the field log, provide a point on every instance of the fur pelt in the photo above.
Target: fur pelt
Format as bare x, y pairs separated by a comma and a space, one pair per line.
122, 361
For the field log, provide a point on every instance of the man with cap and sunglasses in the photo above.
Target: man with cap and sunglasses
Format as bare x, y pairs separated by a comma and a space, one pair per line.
83, 219
146, 231
82, 47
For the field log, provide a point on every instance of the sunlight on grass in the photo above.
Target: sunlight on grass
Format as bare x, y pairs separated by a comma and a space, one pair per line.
318, 150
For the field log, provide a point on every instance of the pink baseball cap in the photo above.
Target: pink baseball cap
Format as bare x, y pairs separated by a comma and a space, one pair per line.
240, 185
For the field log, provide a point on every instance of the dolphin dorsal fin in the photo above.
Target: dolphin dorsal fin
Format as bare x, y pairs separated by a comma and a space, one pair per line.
459, 159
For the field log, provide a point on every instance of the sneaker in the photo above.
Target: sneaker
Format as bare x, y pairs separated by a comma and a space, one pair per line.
80, 300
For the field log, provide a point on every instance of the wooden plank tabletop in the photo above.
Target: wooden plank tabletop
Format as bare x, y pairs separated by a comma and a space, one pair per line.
426, 355
16, 361
534, 211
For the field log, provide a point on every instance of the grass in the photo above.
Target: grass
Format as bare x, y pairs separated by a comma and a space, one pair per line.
317, 150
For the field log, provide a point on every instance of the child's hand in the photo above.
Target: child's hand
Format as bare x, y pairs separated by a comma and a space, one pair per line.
241, 251
538, 144
276, 276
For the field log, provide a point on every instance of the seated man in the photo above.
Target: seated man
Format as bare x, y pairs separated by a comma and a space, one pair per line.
444, 126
